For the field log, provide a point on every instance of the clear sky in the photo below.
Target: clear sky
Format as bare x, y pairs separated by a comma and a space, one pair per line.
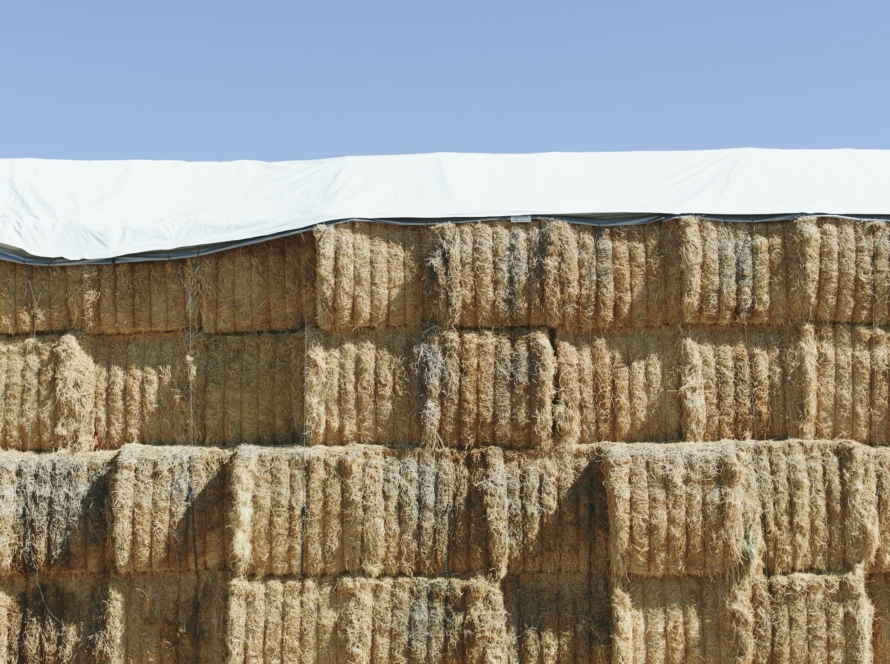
279, 80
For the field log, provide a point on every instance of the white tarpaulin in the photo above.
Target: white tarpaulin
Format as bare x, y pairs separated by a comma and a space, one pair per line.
98, 210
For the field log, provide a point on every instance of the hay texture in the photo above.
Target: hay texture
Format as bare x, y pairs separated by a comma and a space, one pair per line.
167, 508
570, 277
372, 276
258, 288
818, 618
50, 621
617, 386
483, 388
556, 618
688, 619
367, 620
681, 509
176, 619
367, 510
820, 505
879, 592
53, 512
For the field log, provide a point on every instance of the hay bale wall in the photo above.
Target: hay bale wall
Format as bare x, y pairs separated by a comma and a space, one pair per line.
438, 444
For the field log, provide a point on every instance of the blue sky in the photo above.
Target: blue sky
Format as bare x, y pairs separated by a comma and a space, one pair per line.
283, 80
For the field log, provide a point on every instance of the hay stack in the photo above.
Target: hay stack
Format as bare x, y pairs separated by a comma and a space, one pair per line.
367, 620
52, 512
167, 509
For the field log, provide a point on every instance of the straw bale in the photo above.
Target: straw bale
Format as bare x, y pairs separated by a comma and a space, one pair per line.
486, 387
355, 619
680, 509
167, 509
743, 384
878, 462
878, 587
49, 621
570, 277
617, 386
176, 619
852, 377
258, 288
371, 275
820, 505
820, 618
53, 512
553, 619
359, 389
661, 620
555, 513
367, 510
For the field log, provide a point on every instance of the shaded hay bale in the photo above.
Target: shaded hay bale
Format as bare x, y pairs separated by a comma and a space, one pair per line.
53, 512
681, 509
175, 619
370, 510
53, 621
168, 509
819, 618
660, 620
558, 618
258, 288
372, 275
482, 388
367, 620
820, 508
878, 587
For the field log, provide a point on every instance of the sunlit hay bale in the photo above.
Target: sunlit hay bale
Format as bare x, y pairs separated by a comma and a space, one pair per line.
681, 509
372, 275
168, 509
820, 618
483, 388
355, 619
820, 505
620, 386
53, 512
367, 510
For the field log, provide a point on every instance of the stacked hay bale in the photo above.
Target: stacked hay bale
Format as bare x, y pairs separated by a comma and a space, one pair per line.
484, 442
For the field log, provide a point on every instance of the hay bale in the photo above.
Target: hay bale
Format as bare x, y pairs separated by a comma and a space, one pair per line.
367, 510
53, 512
50, 620
879, 464
820, 505
174, 619
680, 509
355, 619
555, 514
371, 275
755, 384
482, 388
167, 509
820, 618
878, 587
617, 386
683, 619
570, 277
360, 389
557, 618
258, 288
